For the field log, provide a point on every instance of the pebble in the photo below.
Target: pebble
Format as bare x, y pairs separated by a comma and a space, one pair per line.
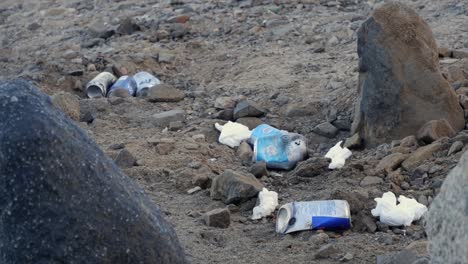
326, 251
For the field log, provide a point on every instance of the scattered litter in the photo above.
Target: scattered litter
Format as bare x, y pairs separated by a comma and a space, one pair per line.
338, 155
232, 134
280, 149
298, 216
407, 211
125, 83
194, 190
267, 205
106, 83
98, 86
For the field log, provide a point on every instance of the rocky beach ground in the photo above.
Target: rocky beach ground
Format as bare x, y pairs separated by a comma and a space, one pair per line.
294, 60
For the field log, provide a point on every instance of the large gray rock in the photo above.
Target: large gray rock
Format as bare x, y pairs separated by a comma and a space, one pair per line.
62, 199
447, 219
400, 85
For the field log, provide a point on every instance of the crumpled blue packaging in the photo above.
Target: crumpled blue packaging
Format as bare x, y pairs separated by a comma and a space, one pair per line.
279, 149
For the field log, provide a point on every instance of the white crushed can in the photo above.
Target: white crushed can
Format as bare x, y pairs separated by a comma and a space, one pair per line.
327, 215
144, 82
98, 86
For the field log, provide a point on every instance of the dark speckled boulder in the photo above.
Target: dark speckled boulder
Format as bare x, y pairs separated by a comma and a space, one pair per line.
62, 200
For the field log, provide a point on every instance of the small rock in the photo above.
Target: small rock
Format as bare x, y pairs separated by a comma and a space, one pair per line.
385, 238
218, 218
91, 67
434, 130
127, 27
382, 227
199, 138
371, 180
194, 190
409, 142
164, 148
165, 57
327, 251
311, 167
354, 142
178, 30
226, 114
125, 159
456, 147
250, 122
191, 146
117, 146
92, 43
165, 93
244, 152
99, 30
68, 103
225, 102
463, 101
326, 129
247, 109
233, 187
423, 200
165, 118
420, 155
404, 185
391, 162
259, 169
459, 54
319, 239
181, 19
176, 126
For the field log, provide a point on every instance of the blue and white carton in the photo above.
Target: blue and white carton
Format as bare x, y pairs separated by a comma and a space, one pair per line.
279, 149
326, 215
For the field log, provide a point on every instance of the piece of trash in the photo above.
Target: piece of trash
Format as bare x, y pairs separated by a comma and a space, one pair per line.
232, 133
98, 86
194, 190
327, 215
280, 149
144, 82
126, 83
407, 211
338, 155
275, 174
268, 202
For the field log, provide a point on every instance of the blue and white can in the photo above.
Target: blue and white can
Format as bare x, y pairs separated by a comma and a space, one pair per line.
145, 81
126, 83
279, 149
326, 215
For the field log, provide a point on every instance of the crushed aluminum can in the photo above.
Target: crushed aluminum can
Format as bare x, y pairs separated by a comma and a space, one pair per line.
145, 81
326, 215
279, 149
126, 83
99, 85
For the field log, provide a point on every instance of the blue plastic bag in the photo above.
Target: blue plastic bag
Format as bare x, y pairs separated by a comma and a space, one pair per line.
279, 149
